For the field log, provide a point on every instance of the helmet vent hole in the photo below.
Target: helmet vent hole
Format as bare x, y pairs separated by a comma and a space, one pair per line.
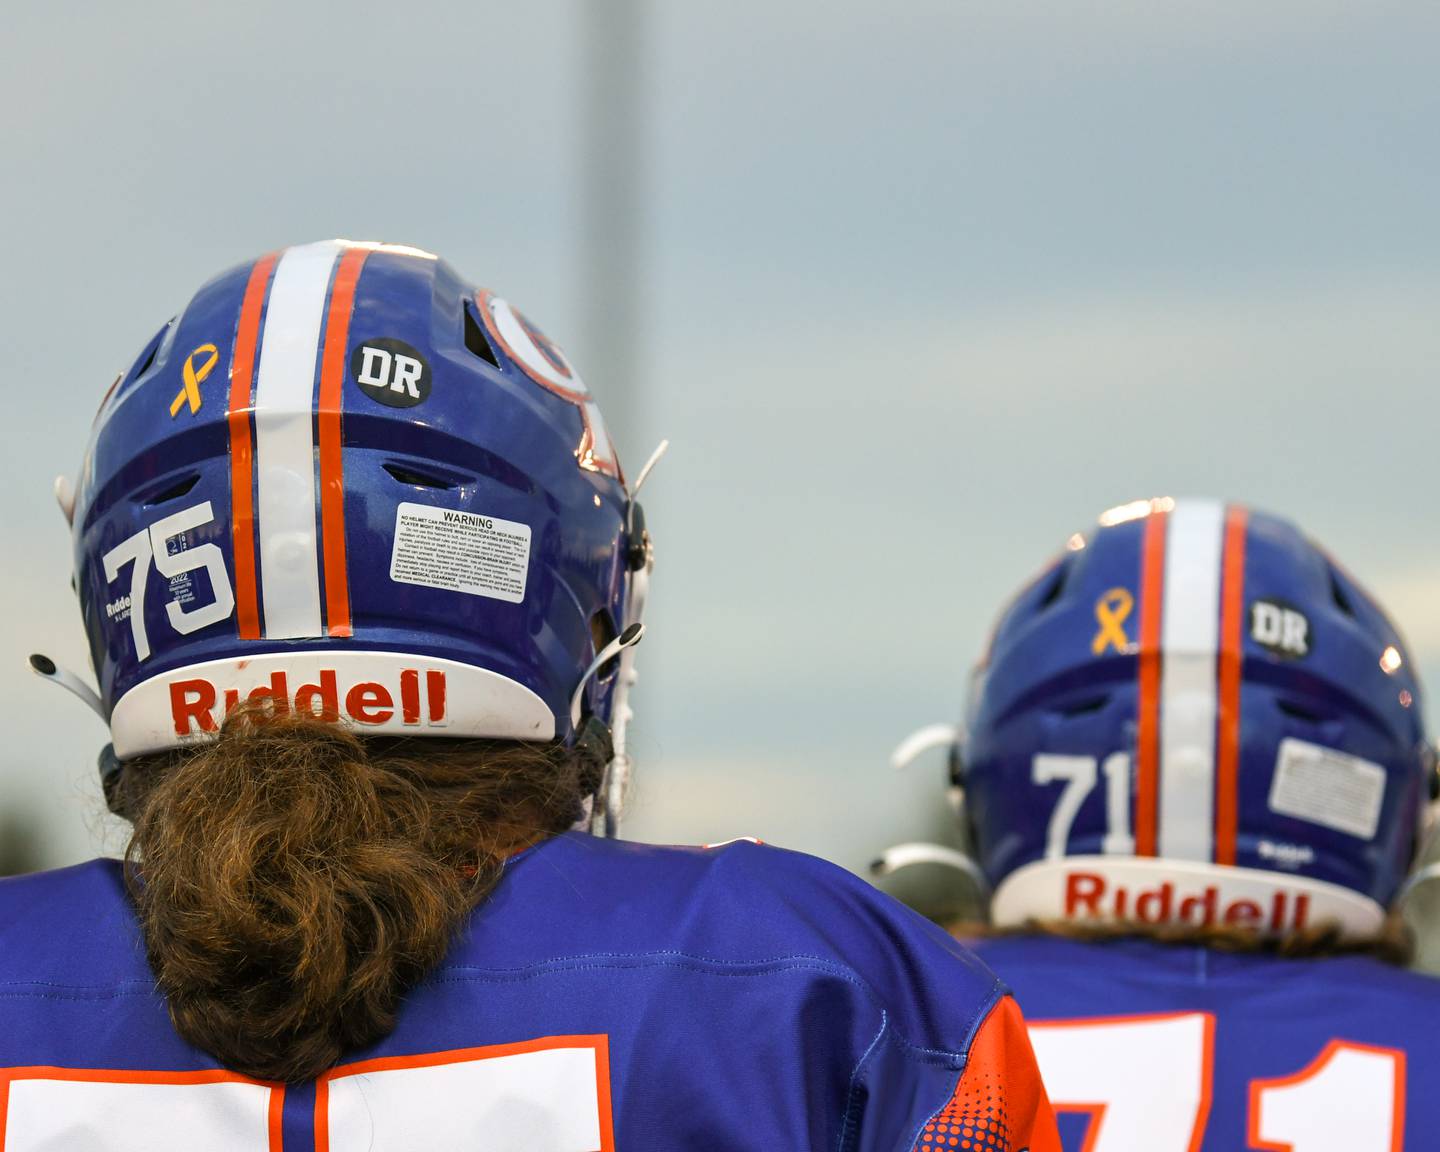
152, 350
475, 338
147, 361
417, 479
602, 631
1053, 588
1339, 595
173, 491
1299, 712
1084, 707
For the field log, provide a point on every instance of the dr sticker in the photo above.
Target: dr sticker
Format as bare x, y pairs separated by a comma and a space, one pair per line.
1280, 628
391, 371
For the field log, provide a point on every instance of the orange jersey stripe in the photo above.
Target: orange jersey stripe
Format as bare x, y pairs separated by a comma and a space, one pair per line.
1147, 752
242, 449
275, 1120
1227, 744
330, 444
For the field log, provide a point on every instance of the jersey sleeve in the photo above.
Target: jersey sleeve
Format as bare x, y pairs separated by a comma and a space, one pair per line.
951, 1059
999, 1104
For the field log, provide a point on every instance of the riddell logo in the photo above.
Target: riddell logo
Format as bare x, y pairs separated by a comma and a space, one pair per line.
1090, 895
421, 701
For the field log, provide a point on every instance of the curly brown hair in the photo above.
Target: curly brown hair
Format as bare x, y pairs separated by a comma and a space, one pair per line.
294, 879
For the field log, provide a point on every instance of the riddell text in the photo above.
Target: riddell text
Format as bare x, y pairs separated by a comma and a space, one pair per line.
192, 702
1088, 894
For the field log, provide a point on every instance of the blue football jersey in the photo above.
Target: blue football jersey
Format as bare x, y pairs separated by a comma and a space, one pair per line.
1175, 1048
607, 995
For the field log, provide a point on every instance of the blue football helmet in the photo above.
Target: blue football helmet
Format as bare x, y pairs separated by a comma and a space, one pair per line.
1193, 715
349, 481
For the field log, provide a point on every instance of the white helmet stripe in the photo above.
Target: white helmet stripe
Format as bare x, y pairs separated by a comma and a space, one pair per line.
1190, 640
285, 441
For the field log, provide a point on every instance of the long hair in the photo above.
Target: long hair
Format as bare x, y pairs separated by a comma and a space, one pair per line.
1394, 943
293, 880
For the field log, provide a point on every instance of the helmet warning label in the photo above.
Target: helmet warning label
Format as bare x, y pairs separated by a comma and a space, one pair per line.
460, 552
1327, 787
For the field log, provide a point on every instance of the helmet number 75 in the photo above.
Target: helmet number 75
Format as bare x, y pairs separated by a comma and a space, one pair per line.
152, 545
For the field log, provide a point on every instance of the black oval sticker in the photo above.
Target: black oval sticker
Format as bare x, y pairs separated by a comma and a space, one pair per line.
391, 371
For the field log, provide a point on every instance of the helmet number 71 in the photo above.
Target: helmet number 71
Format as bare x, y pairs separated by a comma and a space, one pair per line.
1080, 775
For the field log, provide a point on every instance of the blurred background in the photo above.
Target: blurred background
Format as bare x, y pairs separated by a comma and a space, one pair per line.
915, 290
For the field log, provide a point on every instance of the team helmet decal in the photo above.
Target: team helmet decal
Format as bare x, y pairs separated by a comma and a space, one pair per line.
346, 479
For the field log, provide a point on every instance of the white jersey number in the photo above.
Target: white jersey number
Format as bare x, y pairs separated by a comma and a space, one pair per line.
548, 1095
1145, 1082
1351, 1097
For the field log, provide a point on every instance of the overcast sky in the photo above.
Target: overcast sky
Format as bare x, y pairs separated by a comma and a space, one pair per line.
923, 288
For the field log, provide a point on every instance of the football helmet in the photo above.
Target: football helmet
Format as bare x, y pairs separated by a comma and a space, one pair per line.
346, 480
1193, 715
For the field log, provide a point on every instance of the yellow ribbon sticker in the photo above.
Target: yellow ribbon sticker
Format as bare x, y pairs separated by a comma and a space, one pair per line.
1111, 612
193, 378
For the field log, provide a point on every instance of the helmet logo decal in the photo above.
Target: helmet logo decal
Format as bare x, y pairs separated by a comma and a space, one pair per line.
541, 360
1280, 628
1111, 612
1090, 895
194, 377
193, 701
391, 692
391, 371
